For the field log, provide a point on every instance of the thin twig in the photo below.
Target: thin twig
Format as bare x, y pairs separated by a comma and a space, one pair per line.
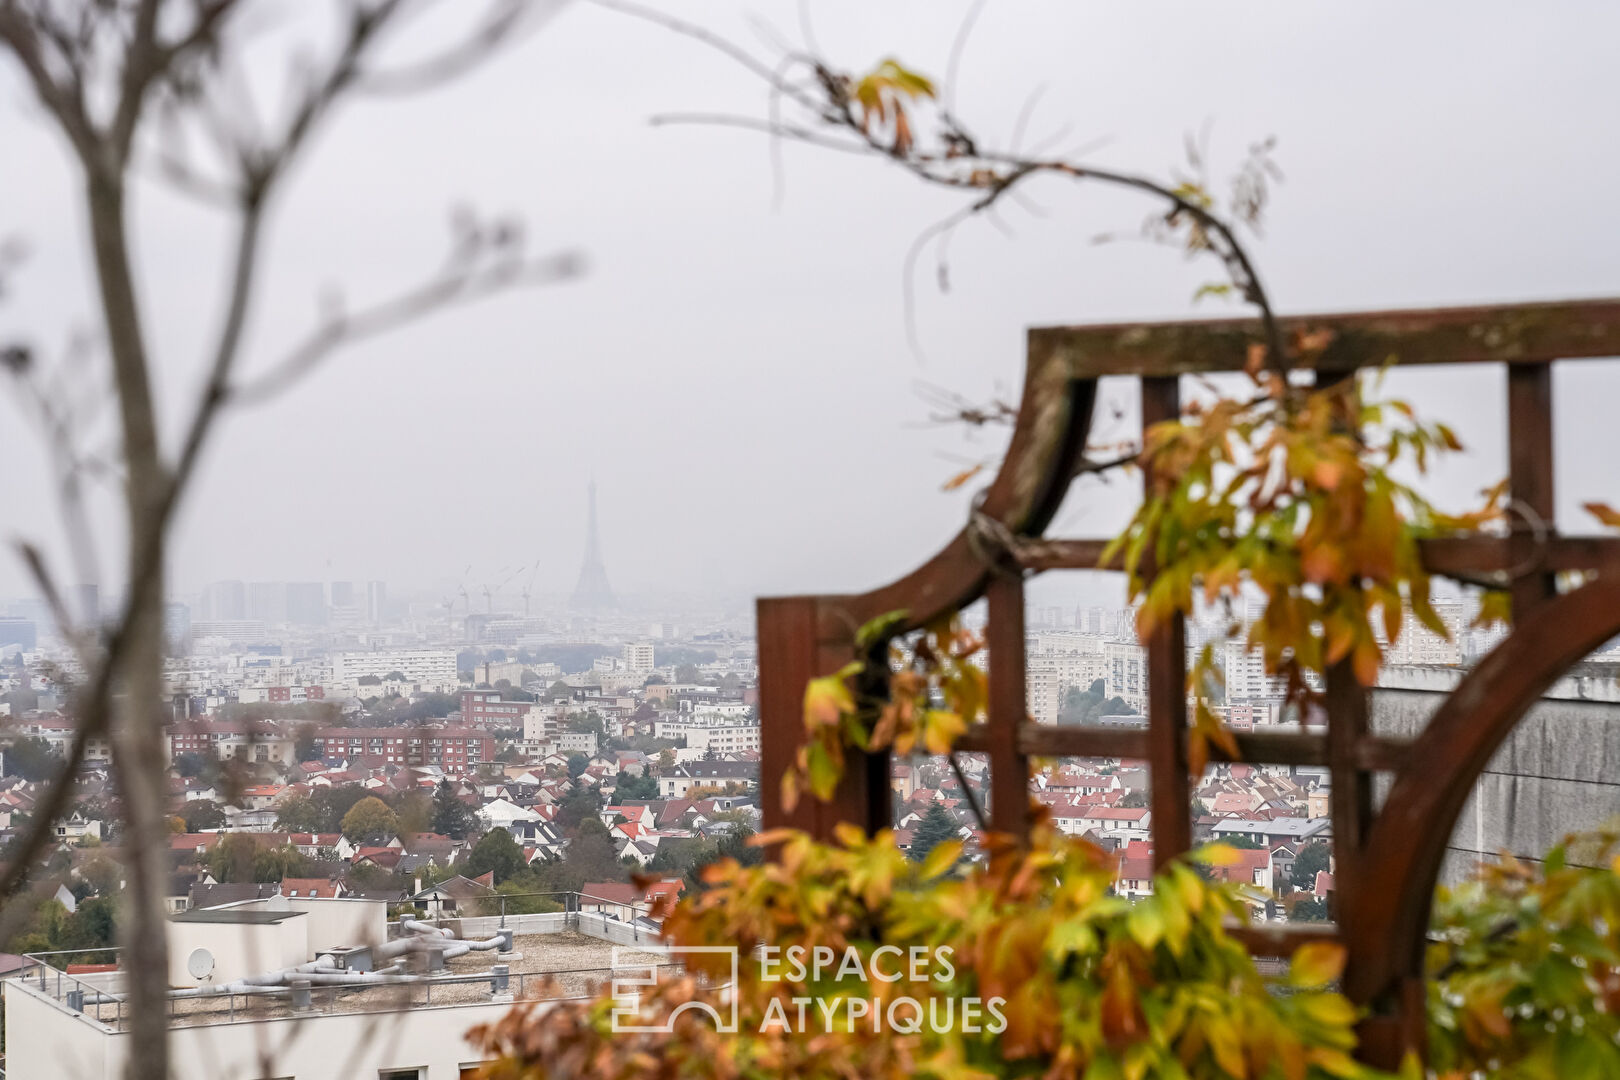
441, 293
967, 793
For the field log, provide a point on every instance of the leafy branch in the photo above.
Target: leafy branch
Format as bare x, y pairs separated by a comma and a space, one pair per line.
1291, 495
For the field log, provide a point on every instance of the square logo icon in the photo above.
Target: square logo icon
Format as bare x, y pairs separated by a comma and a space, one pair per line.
633, 970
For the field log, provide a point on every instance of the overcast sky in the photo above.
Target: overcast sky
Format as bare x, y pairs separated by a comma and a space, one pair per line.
737, 377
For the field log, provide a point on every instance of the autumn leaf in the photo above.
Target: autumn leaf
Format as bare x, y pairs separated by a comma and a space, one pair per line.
963, 477
945, 855
1604, 513
1214, 855
1316, 964
827, 699
941, 729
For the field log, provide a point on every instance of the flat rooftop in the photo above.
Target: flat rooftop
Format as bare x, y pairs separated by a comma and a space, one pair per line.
234, 916
552, 967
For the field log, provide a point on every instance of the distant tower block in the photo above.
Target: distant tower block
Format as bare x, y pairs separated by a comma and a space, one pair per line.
593, 592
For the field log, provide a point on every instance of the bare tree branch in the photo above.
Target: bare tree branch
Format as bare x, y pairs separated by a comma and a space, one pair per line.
145, 55
444, 291
499, 26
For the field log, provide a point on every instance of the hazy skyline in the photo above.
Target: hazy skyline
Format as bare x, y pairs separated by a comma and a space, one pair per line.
737, 378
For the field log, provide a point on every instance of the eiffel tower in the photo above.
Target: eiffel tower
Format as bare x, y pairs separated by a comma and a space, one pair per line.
593, 591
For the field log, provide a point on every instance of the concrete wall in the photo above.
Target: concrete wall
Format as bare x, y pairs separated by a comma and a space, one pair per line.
46, 1041
340, 922
1559, 772
239, 948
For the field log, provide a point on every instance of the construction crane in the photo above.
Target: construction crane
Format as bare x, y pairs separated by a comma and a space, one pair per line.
490, 593
527, 585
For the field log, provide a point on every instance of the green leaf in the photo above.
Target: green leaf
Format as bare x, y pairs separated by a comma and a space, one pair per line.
878, 629
824, 772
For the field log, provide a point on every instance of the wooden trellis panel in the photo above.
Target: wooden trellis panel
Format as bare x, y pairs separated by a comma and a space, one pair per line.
1387, 863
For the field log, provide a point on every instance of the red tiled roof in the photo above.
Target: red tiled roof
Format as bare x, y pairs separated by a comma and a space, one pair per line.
618, 892
318, 888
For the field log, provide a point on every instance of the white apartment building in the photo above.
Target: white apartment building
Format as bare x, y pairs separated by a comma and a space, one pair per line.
544, 722
434, 669
706, 732
1043, 689
577, 742
1127, 673
1246, 678
638, 656
729, 710
235, 631
1420, 645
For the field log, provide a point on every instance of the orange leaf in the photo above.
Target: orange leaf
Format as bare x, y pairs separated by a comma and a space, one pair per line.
1605, 513
963, 477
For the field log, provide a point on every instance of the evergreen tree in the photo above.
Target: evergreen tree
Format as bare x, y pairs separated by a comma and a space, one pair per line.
451, 816
496, 851
626, 786
591, 856
1313, 856
936, 827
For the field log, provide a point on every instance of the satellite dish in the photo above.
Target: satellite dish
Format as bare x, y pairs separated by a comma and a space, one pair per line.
200, 963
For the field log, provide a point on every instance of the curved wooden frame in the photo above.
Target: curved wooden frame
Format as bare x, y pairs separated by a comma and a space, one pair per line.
1386, 865
1409, 839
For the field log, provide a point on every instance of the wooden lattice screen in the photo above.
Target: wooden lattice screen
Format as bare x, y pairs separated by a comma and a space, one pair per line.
1386, 862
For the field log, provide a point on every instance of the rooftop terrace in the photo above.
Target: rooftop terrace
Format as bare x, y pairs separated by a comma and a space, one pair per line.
556, 965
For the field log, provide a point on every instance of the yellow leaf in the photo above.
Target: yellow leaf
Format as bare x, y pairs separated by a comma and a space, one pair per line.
1146, 924
941, 859
1214, 855
849, 835
1332, 1010
941, 730
1316, 964
826, 700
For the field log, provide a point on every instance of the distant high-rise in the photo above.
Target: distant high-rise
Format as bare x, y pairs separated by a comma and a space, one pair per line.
306, 603
343, 594
376, 599
267, 602
226, 600
176, 627
593, 591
